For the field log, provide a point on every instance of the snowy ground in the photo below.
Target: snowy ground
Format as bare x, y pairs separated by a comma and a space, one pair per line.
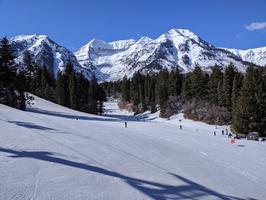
51, 152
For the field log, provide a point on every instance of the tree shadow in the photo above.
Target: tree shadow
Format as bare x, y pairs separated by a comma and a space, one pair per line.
68, 116
31, 125
158, 191
106, 118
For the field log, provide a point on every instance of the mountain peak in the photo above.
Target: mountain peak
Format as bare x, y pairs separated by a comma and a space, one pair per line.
184, 33
29, 37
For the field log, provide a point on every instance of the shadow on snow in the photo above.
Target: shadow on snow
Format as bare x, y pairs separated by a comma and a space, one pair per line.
31, 125
107, 117
158, 191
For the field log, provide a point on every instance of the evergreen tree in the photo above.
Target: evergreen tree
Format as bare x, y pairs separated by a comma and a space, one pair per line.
93, 106
125, 89
199, 80
61, 90
261, 102
162, 91
215, 77
245, 118
174, 83
29, 71
73, 95
8, 76
228, 79
237, 84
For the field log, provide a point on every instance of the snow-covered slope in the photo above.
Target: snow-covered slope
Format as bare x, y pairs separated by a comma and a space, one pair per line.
51, 152
177, 48
45, 52
256, 56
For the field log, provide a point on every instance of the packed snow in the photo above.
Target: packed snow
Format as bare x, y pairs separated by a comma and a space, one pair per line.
52, 152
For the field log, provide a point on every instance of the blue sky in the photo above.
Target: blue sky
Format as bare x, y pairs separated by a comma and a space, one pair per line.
72, 23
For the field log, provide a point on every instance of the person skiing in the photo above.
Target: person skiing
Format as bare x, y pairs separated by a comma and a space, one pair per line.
180, 127
214, 133
125, 124
229, 135
222, 132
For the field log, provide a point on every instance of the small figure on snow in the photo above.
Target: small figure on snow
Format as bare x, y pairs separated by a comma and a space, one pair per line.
125, 124
226, 131
214, 133
230, 135
222, 132
180, 127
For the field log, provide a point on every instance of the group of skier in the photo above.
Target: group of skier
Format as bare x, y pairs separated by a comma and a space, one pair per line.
226, 133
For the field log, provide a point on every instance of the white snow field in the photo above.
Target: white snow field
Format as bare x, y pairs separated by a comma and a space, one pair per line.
51, 152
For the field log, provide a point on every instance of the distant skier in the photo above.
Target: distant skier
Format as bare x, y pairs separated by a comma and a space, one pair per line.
180, 127
226, 131
125, 124
214, 133
230, 135
222, 132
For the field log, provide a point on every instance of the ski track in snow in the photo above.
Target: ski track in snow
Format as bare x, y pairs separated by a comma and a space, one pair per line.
46, 153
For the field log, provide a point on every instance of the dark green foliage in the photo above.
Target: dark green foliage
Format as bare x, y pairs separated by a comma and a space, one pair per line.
216, 97
228, 79
216, 78
125, 89
249, 110
199, 80
12, 81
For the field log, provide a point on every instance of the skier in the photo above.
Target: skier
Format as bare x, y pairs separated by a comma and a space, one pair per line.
180, 127
214, 133
125, 124
229, 135
222, 132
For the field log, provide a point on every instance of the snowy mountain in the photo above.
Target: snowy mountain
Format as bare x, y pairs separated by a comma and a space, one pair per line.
256, 56
177, 48
113, 60
45, 52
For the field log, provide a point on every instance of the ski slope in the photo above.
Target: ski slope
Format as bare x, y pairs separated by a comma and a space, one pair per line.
51, 152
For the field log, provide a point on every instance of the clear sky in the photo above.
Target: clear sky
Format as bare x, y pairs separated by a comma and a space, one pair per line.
72, 23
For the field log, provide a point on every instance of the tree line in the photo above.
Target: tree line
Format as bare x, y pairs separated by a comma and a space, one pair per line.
241, 95
67, 88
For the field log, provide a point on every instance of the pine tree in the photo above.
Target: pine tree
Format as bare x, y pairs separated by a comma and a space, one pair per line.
245, 118
163, 91
29, 71
174, 83
228, 79
61, 90
93, 106
73, 95
186, 86
125, 90
199, 80
261, 102
134, 89
237, 84
8, 70
215, 77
